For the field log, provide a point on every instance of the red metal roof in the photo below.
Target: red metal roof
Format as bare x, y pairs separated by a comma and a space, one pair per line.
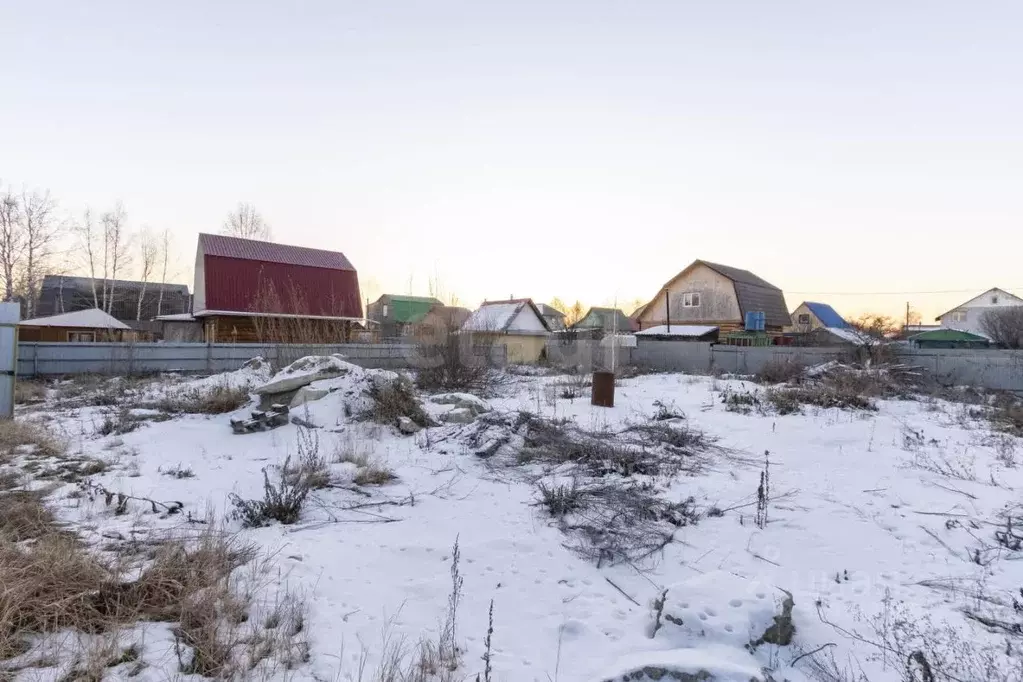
245, 276
268, 252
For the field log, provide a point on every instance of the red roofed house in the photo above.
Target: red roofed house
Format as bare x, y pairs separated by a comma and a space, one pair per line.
249, 291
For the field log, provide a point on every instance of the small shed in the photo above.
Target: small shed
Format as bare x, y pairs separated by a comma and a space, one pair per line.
811, 315
949, 338
180, 328
81, 326
515, 324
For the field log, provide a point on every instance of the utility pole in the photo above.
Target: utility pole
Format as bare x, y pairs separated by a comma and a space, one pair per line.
667, 310
907, 317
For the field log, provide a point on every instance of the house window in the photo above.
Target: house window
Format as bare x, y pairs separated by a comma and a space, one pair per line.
691, 300
959, 316
385, 310
804, 318
81, 337
994, 300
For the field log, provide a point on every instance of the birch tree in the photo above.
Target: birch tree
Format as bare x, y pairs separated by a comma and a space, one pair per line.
246, 222
116, 241
165, 255
42, 231
11, 242
92, 251
149, 256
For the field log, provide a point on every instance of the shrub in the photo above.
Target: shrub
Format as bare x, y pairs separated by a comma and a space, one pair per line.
178, 471
787, 400
281, 502
740, 402
560, 499
395, 400
783, 401
1004, 326
452, 361
118, 423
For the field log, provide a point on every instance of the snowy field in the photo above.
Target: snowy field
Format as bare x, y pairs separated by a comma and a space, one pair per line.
885, 537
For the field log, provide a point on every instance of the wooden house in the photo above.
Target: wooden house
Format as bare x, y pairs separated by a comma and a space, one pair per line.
396, 315
125, 300
554, 317
81, 326
599, 321
710, 294
248, 291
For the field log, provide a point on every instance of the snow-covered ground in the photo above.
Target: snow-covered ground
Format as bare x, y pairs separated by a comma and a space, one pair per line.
881, 525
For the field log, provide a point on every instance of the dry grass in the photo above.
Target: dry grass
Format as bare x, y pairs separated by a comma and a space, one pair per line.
353, 451
368, 469
779, 372
24, 437
1008, 417
26, 391
55, 583
23, 516
219, 399
374, 473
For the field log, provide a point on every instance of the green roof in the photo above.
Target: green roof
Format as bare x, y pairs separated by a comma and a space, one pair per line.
604, 318
947, 335
410, 309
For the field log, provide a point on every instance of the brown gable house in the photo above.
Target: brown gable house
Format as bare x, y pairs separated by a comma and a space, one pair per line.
252, 291
706, 293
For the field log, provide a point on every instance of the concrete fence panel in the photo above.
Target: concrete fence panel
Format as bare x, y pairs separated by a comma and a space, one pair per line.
49, 359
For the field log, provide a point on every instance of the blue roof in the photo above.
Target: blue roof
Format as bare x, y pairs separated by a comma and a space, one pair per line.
826, 314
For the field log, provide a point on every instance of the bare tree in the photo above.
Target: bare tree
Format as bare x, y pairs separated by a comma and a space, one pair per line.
246, 222
149, 256
116, 242
165, 253
574, 314
1004, 326
876, 326
86, 232
11, 242
42, 231
558, 305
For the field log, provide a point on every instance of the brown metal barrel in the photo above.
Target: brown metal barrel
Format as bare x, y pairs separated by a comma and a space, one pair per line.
603, 393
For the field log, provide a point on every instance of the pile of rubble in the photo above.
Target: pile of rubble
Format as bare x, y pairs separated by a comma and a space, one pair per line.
362, 394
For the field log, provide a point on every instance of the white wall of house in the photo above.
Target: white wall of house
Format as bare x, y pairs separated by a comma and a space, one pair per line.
717, 301
968, 317
199, 285
527, 321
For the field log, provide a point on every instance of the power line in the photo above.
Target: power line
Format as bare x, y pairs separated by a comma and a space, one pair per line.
894, 293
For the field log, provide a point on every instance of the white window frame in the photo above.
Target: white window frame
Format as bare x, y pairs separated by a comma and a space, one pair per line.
384, 310
959, 316
691, 299
86, 337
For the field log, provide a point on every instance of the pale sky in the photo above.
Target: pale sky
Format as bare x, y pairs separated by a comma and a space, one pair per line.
579, 148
